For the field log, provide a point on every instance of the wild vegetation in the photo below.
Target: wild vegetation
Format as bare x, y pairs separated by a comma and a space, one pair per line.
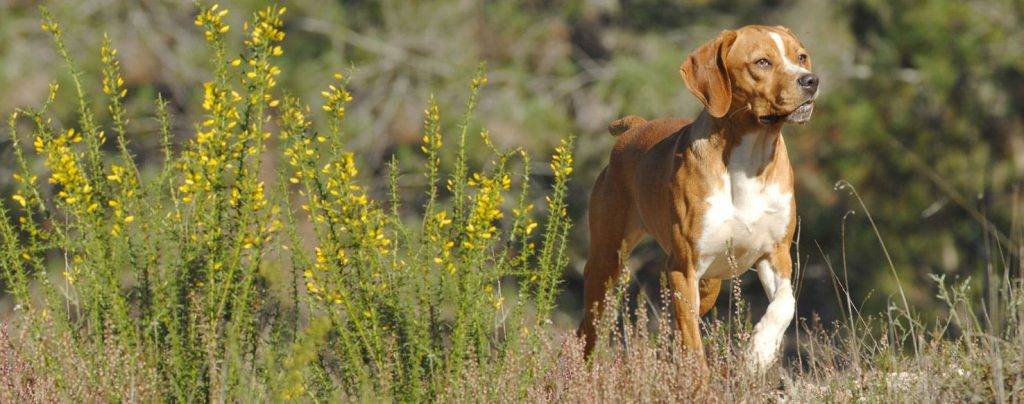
175, 271
253, 243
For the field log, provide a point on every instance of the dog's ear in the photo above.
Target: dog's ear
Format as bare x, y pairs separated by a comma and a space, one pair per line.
705, 74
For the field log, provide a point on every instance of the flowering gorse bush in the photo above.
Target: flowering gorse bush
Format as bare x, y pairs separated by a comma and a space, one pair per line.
182, 268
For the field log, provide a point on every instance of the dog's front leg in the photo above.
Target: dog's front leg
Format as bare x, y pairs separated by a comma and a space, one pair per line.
774, 274
682, 278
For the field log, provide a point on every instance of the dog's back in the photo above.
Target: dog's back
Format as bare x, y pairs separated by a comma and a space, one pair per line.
635, 136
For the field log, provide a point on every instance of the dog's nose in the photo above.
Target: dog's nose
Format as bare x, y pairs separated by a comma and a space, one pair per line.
809, 82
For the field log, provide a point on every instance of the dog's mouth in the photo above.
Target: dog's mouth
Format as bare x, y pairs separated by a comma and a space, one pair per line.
801, 114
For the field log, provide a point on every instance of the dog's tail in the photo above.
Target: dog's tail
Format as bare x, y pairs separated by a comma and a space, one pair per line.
621, 125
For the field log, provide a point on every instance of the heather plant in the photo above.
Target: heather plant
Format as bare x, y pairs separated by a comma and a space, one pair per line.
870, 358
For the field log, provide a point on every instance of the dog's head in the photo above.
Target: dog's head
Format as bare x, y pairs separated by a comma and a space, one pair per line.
765, 70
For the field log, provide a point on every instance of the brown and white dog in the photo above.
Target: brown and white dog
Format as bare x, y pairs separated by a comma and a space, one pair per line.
717, 193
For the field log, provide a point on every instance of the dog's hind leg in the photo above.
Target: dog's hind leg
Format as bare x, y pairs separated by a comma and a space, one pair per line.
614, 227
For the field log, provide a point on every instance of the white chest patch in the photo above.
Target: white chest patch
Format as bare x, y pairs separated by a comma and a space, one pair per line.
745, 217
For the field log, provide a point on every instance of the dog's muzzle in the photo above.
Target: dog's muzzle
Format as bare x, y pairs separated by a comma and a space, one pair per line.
801, 114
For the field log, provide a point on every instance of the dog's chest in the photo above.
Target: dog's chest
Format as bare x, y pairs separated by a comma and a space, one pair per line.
745, 218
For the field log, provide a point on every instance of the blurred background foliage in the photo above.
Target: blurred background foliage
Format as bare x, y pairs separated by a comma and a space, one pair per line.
921, 109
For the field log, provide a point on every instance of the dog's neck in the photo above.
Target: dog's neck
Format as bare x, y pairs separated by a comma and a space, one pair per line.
742, 133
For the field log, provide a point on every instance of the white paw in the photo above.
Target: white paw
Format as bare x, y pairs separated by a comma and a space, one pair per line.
764, 349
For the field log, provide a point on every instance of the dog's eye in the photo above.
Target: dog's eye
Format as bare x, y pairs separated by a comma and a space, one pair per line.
802, 58
763, 63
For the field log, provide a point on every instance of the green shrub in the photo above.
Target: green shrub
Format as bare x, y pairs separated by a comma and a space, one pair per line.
180, 267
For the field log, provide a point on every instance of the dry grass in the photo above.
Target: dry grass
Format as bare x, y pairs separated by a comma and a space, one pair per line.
54, 367
871, 360
640, 361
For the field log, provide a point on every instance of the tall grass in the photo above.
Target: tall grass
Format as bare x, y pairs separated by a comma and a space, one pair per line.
218, 275
872, 358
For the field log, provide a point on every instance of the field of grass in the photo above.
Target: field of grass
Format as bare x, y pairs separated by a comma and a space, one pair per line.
255, 264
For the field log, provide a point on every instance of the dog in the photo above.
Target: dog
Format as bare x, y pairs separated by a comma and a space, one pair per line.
715, 193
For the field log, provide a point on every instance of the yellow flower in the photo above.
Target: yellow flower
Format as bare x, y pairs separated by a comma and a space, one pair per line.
113, 83
63, 162
212, 21
336, 98
561, 162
